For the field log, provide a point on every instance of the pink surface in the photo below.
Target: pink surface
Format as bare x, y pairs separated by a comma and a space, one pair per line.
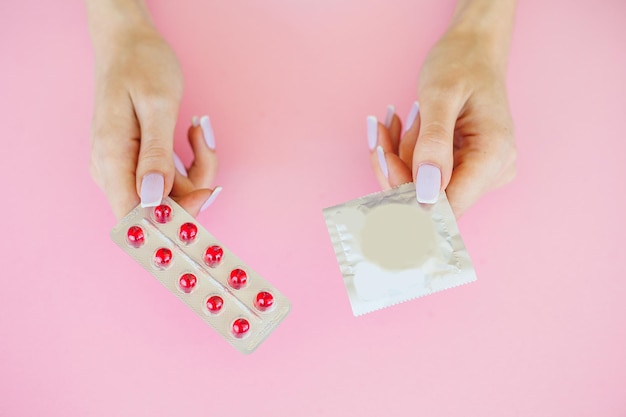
86, 332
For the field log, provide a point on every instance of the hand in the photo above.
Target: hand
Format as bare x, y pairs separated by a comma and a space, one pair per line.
138, 90
459, 138
191, 186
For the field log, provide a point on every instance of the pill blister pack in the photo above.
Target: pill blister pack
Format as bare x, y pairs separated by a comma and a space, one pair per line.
222, 290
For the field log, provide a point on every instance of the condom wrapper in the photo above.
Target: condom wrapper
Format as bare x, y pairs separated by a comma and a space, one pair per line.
195, 267
391, 249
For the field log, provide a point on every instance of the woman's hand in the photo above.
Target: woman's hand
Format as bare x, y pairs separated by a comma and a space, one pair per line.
459, 138
139, 86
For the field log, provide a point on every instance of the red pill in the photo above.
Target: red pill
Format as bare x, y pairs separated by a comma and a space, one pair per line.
240, 327
162, 257
264, 300
162, 213
214, 304
188, 232
135, 236
187, 282
213, 256
238, 278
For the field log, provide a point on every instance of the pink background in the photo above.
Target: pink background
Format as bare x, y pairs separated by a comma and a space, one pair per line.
84, 331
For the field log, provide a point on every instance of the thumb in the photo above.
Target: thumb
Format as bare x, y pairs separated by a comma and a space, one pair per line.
433, 154
155, 166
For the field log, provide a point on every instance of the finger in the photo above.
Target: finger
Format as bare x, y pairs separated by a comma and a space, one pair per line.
433, 154
380, 167
114, 155
470, 180
394, 126
378, 135
372, 132
485, 163
203, 170
389, 169
181, 186
409, 136
155, 167
116, 170
179, 165
506, 177
398, 172
199, 200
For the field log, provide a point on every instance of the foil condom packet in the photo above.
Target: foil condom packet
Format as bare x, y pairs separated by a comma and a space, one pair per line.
195, 267
391, 249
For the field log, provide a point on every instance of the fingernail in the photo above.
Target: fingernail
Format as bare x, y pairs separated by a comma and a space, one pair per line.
428, 184
195, 121
415, 108
152, 190
207, 130
372, 131
382, 161
211, 199
178, 164
391, 110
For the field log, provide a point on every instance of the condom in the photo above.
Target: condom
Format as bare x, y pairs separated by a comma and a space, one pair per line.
391, 249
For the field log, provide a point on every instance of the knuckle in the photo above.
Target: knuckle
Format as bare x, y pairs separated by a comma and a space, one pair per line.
509, 162
435, 135
448, 89
96, 134
98, 151
499, 151
94, 171
108, 156
156, 100
159, 98
509, 152
105, 165
155, 156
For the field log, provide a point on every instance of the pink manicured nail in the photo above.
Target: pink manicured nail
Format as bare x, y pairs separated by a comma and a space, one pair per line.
391, 110
211, 199
152, 186
415, 108
372, 132
207, 130
195, 122
428, 183
178, 164
382, 161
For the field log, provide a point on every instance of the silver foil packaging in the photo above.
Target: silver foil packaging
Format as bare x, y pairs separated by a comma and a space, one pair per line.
391, 249
190, 262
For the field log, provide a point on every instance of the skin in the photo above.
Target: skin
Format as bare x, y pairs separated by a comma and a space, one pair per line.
136, 109
464, 125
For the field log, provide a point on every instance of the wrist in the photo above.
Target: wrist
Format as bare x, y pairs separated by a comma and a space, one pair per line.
112, 22
487, 23
485, 15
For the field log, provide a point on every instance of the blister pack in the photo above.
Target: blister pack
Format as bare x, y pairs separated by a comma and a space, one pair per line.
190, 262
391, 249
